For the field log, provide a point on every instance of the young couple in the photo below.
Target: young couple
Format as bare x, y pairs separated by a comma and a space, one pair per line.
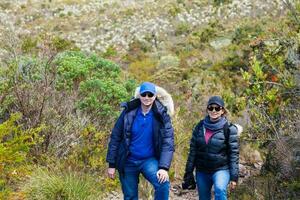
142, 141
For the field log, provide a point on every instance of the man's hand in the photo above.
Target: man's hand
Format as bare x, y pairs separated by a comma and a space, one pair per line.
111, 172
162, 175
232, 185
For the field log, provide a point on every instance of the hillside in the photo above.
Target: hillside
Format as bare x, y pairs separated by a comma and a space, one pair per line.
98, 25
66, 65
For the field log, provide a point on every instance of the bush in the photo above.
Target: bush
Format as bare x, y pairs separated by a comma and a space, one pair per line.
45, 184
173, 10
143, 70
270, 90
96, 81
219, 2
245, 33
15, 145
29, 45
168, 61
63, 92
137, 50
90, 152
16, 79
60, 44
110, 52
182, 28
199, 37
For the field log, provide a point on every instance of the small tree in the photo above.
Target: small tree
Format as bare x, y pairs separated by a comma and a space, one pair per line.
271, 89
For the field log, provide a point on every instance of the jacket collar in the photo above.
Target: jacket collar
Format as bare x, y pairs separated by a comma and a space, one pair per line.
164, 98
157, 107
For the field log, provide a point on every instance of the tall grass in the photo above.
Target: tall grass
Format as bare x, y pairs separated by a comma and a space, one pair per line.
53, 185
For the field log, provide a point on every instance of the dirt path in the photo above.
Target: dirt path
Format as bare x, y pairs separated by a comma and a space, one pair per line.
176, 193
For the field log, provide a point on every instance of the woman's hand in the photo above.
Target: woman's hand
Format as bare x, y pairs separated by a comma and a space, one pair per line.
232, 185
111, 172
162, 175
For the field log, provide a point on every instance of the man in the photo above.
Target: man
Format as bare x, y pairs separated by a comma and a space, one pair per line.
142, 141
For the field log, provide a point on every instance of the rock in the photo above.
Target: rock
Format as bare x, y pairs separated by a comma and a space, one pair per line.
249, 155
243, 172
256, 157
114, 195
220, 43
258, 165
177, 193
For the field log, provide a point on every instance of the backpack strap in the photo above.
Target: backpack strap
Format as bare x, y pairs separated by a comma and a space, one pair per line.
226, 131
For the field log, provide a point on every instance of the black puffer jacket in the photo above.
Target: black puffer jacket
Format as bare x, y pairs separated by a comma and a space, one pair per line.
218, 154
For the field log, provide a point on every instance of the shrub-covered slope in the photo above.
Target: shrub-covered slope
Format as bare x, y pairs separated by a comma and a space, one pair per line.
67, 64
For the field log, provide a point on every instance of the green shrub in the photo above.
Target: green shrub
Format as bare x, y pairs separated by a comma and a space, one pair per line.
72, 68
143, 70
29, 45
89, 155
168, 61
233, 63
102, 97
294, 13
15, 146
182, 28
110, 52
32, 45
60, 44
137, 50
197, 38
23, 88
219, 2
63, 92
269, 90
91, 150
245, 33
96, 81
173, 10
5, 5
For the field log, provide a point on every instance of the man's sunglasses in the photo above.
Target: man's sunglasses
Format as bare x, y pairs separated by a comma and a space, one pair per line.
216, 108
149, 94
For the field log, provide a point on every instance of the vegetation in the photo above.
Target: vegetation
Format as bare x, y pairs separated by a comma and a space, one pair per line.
60, 96
15, 147
44, 184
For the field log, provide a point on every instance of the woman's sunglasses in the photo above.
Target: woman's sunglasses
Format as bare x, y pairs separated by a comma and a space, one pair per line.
149, 94
216, 108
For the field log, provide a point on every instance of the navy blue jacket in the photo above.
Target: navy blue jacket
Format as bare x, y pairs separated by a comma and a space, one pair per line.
163, 133
218, 154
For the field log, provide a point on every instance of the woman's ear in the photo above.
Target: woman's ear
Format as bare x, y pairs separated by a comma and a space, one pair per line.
223, 111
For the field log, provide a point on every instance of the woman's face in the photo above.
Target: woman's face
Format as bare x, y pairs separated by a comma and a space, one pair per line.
214, 111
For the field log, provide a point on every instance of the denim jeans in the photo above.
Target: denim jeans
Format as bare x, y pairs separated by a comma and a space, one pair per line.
148, 168
205, 181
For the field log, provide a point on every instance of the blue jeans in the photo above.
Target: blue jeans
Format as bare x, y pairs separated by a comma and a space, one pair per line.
205, 181
148, 168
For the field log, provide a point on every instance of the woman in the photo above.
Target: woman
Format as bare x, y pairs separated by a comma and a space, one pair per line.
214, 152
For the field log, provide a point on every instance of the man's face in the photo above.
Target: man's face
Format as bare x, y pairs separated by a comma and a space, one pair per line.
147, 98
